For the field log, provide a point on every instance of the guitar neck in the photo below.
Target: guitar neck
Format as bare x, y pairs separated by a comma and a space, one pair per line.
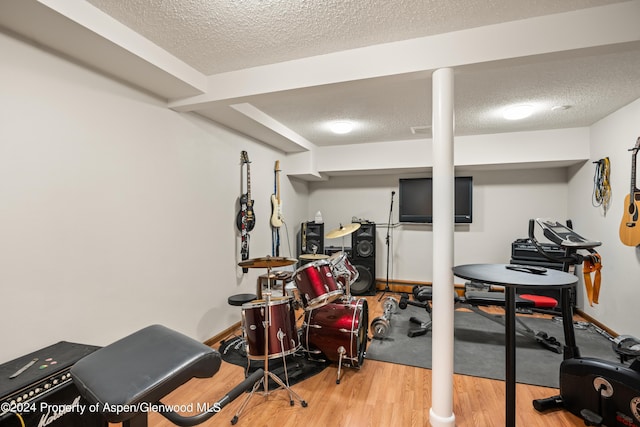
249, 183
634, 188
278, 181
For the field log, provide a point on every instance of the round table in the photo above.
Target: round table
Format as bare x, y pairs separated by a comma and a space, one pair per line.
499, 274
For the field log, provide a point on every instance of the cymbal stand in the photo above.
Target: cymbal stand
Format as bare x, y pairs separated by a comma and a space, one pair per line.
347, 284
280, 335
267, 374
347, 300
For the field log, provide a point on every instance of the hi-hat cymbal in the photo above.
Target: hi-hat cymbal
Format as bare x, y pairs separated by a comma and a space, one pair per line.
343, 230
267, 262
314, 256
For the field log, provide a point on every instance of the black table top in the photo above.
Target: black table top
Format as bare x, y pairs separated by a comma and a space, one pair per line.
499, 274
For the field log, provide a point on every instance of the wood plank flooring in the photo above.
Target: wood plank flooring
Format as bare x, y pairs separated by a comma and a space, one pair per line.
378, 394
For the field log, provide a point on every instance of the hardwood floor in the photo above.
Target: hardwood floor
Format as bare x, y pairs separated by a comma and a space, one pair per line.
377, 394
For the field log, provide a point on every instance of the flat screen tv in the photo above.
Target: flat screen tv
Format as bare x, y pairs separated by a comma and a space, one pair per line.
416, 200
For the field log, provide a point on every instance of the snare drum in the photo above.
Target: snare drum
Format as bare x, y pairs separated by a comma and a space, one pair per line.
316, 284
283, 336
337, 328
342, 269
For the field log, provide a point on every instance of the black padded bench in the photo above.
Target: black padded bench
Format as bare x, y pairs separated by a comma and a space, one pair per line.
127, 377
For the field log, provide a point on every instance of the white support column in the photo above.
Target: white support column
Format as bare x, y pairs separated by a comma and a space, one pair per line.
441, 412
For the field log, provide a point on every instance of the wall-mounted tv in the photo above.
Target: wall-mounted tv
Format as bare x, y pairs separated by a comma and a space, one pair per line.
416, 200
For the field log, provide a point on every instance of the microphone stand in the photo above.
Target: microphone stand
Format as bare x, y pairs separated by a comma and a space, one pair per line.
386, 288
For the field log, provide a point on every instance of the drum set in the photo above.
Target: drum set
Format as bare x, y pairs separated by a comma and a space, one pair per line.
335, 324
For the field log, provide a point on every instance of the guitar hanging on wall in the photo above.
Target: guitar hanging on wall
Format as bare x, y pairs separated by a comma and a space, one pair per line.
245, 220
630, 224
276, 203
276, 210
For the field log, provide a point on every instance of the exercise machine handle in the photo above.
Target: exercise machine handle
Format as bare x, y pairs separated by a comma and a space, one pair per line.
193, 420
571, 258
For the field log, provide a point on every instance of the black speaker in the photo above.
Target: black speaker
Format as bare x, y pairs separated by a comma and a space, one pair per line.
363, 258
363, 242
311, 238
330, 250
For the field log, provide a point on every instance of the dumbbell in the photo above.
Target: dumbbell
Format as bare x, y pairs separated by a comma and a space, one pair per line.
381, 324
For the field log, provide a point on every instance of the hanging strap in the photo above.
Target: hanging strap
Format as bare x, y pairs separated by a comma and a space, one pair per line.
592, 264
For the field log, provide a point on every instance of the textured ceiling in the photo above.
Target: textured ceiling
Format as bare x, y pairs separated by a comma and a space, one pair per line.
224, 36
216, 36
386, 109
278, 70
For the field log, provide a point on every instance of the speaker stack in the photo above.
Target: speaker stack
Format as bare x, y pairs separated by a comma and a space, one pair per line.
363, 258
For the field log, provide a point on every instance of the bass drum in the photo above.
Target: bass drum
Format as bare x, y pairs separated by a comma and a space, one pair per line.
335, 329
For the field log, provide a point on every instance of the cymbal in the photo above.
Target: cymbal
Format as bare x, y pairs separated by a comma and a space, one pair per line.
314, 256
267, 262
343, 230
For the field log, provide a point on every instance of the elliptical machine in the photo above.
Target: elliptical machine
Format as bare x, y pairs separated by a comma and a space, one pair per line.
600, 392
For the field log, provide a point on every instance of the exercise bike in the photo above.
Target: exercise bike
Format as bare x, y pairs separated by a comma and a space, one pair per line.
600, 392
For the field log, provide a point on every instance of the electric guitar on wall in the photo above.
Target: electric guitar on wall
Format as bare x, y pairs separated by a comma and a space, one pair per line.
630, 226
276, 203
245, 220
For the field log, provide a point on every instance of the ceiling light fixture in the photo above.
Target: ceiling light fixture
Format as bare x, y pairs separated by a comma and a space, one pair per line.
518, 112
341, 126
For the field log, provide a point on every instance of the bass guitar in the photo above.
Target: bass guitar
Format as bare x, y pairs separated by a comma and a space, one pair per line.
630, 226
276, 203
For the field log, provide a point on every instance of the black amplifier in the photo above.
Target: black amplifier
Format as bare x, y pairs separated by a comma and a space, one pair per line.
42, 394
524, 249
330, 250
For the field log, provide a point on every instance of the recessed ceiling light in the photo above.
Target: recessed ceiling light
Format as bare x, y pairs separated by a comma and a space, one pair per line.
341, 126
518, 112
560, 107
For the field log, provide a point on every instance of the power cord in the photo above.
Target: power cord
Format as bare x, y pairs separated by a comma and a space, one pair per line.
601, 185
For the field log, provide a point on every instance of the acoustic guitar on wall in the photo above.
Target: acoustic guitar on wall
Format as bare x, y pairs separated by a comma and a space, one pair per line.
630, 224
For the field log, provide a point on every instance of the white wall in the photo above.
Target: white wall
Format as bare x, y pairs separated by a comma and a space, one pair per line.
116, 212
503, 203
611, 137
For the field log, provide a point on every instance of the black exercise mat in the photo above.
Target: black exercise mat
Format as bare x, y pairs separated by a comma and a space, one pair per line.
479, 347
298, 366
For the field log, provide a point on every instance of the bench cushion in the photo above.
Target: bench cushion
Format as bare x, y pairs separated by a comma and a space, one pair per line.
141, 368
494, 299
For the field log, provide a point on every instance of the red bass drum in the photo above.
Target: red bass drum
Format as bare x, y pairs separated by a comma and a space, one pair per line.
335, 329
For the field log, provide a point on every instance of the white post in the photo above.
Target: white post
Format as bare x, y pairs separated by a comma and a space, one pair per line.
441, 412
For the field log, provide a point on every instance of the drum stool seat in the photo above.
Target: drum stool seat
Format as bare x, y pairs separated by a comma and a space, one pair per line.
239, 299
139, 370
